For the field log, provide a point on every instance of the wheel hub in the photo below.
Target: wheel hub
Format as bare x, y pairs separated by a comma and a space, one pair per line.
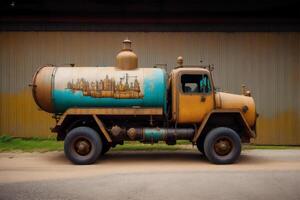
82, 147
223, 146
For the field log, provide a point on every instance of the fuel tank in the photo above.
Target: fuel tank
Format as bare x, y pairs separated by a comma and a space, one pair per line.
55, 89
233, 101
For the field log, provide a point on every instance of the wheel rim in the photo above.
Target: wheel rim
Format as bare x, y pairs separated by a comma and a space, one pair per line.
82, 146
223, 146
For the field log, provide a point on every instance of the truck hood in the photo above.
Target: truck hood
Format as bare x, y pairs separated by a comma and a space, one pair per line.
243, 103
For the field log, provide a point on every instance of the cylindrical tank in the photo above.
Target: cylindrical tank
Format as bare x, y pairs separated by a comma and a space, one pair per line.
55, 89
233, 101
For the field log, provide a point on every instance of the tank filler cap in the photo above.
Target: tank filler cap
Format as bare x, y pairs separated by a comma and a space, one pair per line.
127, 45
126, 58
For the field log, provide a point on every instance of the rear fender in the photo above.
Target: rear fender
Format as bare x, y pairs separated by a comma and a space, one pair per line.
68, 122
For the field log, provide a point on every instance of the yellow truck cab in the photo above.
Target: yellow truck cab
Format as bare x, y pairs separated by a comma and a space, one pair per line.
97, 108
192, 94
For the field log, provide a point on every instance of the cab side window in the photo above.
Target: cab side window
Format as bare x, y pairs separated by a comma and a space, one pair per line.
193, 83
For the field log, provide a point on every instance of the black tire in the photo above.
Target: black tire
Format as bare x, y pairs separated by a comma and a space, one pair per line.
200, 146
222, 146
83, 145
106, 148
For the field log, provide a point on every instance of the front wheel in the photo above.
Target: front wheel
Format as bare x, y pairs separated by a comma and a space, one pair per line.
106, 148
83, 145
222, 146
200, 146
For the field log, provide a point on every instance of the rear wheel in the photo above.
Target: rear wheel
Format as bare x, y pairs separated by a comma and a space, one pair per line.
222, 146
83, 145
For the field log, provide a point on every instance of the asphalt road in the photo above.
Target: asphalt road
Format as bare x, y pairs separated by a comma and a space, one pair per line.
259, 174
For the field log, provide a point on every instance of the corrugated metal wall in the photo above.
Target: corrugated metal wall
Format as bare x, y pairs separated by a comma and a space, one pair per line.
268, 63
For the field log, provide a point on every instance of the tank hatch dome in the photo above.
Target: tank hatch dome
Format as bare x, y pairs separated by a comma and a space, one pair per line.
126, 58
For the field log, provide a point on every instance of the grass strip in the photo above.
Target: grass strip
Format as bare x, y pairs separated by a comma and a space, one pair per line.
10, 144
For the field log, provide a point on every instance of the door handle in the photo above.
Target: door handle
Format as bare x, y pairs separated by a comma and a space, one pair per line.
203, 98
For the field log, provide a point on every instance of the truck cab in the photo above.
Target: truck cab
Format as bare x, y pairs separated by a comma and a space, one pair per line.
192, 94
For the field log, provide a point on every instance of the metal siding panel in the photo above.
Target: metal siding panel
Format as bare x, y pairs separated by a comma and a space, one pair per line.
268, 63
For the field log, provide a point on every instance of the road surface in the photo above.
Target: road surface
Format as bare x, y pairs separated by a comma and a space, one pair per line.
182, 175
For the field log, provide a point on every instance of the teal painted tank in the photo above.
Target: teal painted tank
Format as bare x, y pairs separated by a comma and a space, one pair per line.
58, 88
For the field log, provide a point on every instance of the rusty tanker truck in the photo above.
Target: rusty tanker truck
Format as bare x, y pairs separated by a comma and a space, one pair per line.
97, 108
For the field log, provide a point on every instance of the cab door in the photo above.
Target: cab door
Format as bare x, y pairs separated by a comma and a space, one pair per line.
195, 96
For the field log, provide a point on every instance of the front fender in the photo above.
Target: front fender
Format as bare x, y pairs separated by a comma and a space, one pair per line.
227, 113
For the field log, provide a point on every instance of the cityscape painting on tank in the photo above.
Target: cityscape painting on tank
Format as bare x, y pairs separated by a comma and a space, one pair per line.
126, 86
